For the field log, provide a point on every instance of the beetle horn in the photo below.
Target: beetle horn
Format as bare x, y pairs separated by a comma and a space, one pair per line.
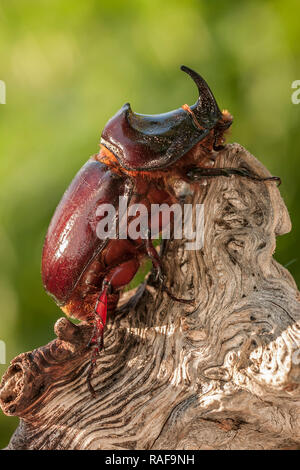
149, 142
206, 108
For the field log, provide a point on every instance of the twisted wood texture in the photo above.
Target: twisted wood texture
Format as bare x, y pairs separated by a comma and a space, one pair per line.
222, 373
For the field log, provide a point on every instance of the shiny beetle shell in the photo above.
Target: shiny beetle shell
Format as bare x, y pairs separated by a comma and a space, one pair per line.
71, 242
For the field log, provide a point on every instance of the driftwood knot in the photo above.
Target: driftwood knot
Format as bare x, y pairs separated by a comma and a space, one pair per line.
31, 374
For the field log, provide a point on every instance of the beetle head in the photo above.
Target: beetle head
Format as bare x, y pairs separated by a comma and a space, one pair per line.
151, 142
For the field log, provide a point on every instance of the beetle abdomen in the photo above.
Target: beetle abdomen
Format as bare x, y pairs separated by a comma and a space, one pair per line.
71, 242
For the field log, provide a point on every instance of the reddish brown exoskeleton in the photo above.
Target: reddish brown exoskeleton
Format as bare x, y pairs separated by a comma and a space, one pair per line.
141, 157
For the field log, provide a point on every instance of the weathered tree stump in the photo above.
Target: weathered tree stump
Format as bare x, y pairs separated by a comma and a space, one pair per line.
221, 374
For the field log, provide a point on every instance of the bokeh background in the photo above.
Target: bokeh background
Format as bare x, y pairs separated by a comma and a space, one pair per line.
69, 65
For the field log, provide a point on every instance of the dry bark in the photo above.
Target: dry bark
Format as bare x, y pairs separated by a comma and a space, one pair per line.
221, 374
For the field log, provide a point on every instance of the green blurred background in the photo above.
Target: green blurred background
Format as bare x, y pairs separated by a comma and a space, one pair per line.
70, 65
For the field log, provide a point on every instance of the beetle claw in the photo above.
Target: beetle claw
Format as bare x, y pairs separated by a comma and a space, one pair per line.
159, 275
98, 330
97, 341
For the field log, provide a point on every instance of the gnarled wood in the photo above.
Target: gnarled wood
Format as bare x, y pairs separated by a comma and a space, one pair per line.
222, 374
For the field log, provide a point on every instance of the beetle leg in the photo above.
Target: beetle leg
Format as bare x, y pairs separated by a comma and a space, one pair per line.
118, 277
97, 336
100, 316
154, 256
156, 262
195, 174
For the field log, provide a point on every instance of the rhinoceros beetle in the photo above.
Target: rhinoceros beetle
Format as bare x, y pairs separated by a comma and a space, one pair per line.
140, 158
